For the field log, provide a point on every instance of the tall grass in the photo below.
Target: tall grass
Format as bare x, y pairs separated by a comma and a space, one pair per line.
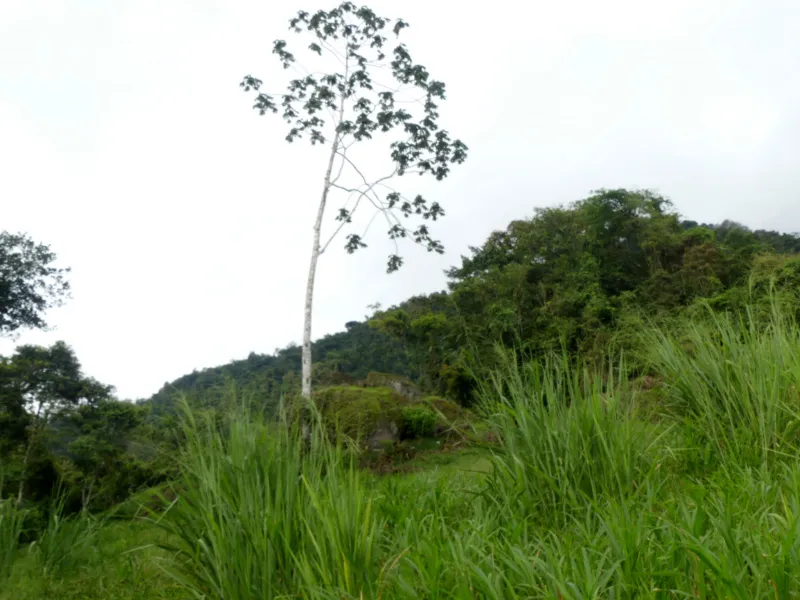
110, 571
735, 378
587, 497
263, 514
67, 542
567, 435
584, 498
11, 523
64, 545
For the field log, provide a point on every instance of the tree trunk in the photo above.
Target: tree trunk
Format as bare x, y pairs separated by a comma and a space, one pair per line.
312, 272
316, 250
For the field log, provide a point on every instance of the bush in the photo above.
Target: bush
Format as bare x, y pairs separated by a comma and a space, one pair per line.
359, 412
417, 421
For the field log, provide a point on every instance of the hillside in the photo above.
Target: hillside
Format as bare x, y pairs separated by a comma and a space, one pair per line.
580, 275
339, 358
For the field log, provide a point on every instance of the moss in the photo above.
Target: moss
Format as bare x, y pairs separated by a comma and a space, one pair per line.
402, 385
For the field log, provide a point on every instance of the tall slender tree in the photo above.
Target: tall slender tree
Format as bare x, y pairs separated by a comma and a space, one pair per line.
361, 93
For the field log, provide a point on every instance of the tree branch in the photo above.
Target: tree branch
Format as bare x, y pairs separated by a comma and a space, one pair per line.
339, 228
361, 194
343, 154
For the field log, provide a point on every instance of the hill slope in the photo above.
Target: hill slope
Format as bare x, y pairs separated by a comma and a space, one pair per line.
568, 274
341, 357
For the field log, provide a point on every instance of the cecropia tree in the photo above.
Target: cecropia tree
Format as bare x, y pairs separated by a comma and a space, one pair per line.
365, 92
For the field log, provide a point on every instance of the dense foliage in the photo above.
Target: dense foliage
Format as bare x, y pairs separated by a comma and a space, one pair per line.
29, 283
62, 431
581, 277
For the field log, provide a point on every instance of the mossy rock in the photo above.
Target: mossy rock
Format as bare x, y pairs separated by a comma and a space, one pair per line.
401, 385
368, 414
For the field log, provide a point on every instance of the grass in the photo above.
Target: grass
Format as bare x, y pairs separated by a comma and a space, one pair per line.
11, 523
568, 437
735, 380
65, 542
261, 512
583, 495
123, 563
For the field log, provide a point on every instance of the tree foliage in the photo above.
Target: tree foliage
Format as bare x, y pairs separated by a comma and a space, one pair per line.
62, 429
341, 358
351, 100
577, 277
29, 283
49, 379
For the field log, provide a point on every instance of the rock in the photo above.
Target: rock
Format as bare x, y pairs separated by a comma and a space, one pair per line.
383, 435
401, 385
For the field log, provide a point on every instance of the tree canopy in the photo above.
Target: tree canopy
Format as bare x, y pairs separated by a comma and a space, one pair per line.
29, 283
575, 277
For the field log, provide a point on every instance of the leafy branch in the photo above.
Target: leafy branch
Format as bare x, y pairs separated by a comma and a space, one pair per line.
349, 105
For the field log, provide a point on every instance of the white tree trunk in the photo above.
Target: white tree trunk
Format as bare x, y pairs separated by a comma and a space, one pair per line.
312, 273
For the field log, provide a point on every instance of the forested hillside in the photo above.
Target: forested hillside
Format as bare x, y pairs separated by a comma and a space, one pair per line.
339, 358
581, 275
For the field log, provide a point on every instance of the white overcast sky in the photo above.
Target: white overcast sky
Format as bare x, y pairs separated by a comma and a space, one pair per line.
126, 144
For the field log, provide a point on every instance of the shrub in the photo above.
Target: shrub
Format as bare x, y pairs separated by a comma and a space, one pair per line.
417, 421
358, 412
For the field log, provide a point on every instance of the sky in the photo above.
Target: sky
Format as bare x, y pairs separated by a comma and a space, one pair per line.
128, 147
